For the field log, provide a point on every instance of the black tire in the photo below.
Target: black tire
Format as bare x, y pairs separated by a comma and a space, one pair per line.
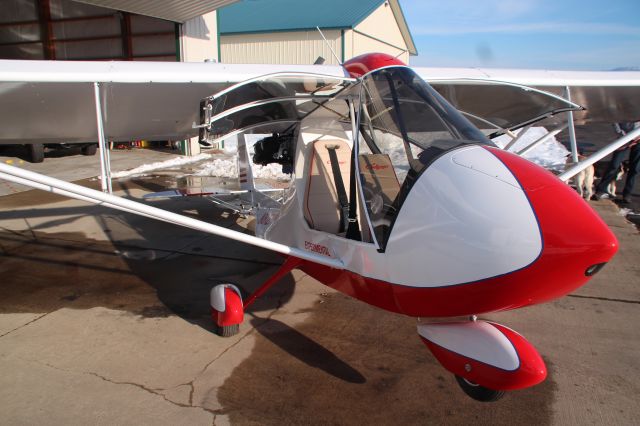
90, 149
36, 152
477, 392
228, 330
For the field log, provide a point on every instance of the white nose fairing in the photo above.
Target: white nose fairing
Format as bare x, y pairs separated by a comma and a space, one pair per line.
466, 219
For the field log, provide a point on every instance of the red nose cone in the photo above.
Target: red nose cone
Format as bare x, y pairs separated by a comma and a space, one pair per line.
575, 239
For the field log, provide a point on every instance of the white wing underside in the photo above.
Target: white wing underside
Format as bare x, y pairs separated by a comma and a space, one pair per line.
53, 101
607, 96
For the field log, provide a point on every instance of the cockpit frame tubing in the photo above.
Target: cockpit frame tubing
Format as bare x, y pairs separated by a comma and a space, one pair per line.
280, 74
356, 147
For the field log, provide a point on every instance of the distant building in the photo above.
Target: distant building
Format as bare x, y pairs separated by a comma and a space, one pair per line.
125, 30
284, 31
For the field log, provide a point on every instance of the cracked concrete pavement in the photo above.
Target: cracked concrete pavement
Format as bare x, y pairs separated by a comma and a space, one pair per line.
87, 330
104, 318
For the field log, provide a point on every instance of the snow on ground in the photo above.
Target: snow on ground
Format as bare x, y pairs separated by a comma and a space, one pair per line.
228, 168
210, 166
551, 154
174, 162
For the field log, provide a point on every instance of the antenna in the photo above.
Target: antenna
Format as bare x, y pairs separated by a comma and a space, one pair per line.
330, 48
402, 52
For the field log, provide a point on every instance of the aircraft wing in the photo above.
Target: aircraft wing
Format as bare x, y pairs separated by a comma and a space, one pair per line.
610, 96
54, 101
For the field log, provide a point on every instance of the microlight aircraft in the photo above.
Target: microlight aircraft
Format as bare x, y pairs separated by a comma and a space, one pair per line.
395, 198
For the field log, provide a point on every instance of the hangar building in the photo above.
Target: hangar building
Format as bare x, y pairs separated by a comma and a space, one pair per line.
122, 30
284, 31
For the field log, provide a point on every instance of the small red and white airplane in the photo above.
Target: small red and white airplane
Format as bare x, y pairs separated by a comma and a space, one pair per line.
395, 197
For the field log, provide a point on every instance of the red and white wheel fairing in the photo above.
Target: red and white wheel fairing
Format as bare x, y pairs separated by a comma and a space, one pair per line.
485, 353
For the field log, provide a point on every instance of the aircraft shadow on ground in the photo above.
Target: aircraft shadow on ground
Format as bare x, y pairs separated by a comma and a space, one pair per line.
347, 355
65, 269
150, 269
306, 349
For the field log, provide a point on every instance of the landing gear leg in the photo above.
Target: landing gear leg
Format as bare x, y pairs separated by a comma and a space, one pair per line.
227, 306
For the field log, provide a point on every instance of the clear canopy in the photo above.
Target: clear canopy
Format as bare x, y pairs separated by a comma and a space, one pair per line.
405, 125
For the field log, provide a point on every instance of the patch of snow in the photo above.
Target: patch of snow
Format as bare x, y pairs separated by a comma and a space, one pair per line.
219, 167
228, 168
551, 154
174, 162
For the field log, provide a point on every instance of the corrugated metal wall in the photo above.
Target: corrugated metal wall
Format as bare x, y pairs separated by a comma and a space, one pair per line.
199, 38
299, 47
68, 30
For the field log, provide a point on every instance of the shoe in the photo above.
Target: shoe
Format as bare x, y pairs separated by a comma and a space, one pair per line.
625, 201
602, 196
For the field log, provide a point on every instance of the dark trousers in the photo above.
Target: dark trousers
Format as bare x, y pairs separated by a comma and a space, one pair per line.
612, 170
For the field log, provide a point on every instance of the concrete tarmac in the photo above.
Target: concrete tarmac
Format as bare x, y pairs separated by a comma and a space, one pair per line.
69, 164
104, 319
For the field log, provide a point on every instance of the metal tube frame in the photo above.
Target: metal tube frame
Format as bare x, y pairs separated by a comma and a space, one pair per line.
105, 159
542, 139
599, 155
515, 139
572, 129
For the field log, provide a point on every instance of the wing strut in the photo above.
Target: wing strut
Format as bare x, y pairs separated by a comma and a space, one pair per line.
599, 155
105, 159
72, 190
572, 128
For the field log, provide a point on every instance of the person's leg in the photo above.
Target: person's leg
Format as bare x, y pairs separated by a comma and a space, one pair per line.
634, 169
612, 171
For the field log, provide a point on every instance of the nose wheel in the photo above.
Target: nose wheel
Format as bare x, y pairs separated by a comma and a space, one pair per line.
478, 392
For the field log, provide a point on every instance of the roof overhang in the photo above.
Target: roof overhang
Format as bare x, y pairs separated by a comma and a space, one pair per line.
171, 10
404, 28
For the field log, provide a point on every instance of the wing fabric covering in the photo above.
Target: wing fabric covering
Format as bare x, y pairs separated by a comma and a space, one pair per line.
53, 101
608, 96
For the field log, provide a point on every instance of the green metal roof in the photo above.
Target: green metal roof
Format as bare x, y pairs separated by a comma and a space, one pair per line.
252, 16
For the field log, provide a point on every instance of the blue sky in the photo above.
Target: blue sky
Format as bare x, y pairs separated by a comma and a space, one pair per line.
560, 34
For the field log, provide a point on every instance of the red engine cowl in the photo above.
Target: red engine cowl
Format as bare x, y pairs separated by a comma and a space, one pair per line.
363, 64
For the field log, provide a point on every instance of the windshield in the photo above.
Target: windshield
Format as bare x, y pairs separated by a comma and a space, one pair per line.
404, 126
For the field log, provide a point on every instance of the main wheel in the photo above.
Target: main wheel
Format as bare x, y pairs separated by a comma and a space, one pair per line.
227, 330
36, 152
89, 149
227, 311
478, 392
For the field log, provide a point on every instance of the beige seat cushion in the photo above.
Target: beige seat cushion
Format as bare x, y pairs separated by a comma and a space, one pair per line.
322, 207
